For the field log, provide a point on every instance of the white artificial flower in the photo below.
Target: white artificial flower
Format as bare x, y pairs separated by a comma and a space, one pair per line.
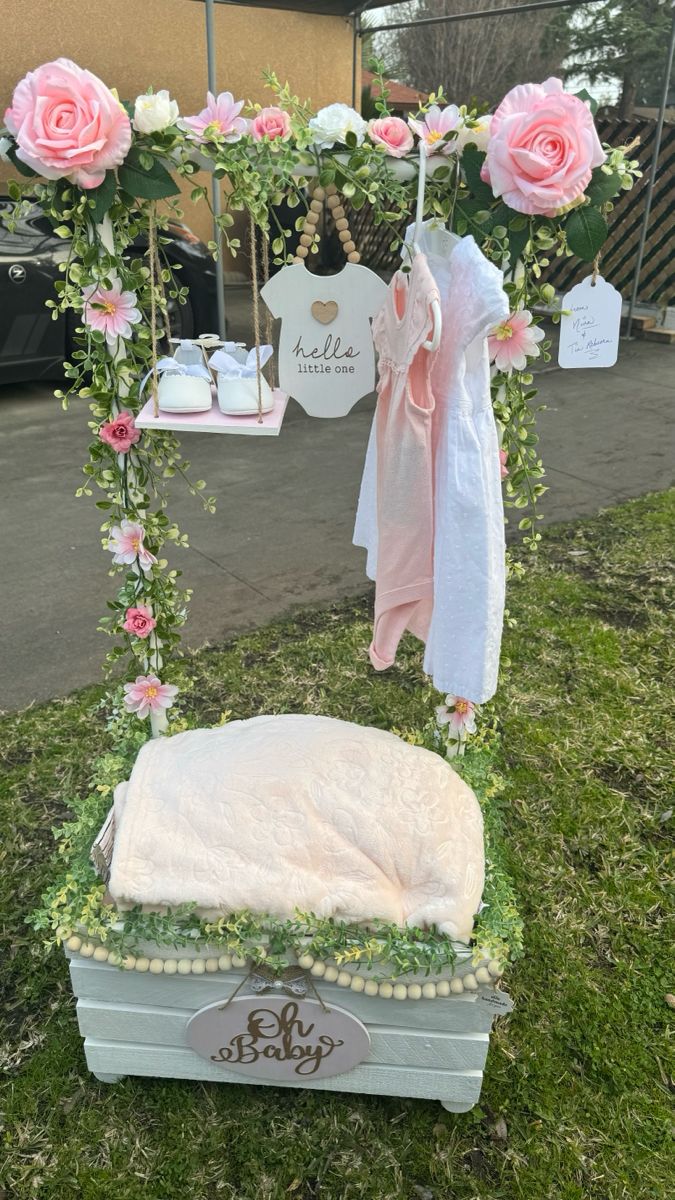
479, 135
332, 124
154, 111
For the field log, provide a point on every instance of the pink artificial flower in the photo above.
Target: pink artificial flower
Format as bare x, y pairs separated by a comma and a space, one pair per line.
68, 124
458, 714
120, 433
542, 150
513, 341
503, 469
126, 544
139, 621
393, 134
148, 694
221, 117
272, 123
434, 126
110, 310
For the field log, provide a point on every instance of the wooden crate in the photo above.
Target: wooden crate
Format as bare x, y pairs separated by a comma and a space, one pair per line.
134, 1024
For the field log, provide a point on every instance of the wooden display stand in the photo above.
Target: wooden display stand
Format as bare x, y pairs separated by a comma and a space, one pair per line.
420, 1037
135, 1024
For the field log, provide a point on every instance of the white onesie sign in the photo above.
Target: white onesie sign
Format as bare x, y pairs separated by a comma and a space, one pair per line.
326, 354
589, 332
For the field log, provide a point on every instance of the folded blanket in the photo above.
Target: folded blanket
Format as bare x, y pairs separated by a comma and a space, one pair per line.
299, 812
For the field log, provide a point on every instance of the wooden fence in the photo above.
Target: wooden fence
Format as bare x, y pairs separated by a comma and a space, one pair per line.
619, 254
657, 279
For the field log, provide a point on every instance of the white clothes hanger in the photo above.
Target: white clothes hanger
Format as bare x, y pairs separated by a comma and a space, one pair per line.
434, 341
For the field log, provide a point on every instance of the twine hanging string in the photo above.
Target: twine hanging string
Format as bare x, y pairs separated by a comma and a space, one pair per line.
293, 980
634, 142
256, 313
156, 291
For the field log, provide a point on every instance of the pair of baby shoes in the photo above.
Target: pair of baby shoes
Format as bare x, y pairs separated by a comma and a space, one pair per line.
185, 379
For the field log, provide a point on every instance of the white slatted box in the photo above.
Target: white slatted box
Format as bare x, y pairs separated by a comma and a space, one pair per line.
135, 1024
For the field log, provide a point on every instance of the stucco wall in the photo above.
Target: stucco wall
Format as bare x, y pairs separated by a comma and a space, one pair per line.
135, 43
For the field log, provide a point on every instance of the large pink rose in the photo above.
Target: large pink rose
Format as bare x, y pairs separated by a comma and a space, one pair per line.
67, 123
393, 134
543, 147
272, 123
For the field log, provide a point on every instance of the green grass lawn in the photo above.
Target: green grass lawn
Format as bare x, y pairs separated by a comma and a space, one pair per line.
575, 1101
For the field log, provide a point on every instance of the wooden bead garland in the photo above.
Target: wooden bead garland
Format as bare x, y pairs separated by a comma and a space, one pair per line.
485, 975
309, 235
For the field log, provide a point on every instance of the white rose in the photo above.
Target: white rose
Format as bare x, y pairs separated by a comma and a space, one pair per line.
154, 111
5, 146
333, 123
479, 135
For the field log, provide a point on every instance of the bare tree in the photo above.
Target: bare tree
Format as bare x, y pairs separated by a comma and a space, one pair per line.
477, 61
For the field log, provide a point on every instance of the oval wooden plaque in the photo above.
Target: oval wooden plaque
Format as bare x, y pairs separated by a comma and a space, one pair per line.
279, 1038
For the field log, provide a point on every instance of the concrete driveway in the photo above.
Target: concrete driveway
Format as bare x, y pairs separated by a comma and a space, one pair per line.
281, 537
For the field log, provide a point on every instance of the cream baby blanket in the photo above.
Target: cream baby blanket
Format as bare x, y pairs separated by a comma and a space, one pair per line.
299, 812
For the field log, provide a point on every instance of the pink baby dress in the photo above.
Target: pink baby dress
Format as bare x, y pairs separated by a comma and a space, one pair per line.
464, 636
405, 475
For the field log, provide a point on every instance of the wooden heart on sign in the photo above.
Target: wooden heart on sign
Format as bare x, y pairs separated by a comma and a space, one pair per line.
324, 311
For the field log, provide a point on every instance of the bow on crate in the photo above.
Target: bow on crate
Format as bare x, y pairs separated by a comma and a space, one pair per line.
292, 980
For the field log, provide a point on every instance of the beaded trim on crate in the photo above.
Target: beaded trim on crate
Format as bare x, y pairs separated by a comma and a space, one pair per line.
487, 974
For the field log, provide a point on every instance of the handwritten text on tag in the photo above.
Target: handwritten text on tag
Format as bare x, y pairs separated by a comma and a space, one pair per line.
589, 333
496, 1001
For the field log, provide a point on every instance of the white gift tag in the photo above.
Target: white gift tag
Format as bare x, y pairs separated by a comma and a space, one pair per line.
589, 333
496, 1001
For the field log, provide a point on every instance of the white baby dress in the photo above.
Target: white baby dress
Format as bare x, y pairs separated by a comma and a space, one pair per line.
464, 640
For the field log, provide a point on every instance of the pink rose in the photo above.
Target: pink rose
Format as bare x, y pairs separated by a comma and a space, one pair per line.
272, 123
120, 433
543, 147
67, 123
392, 133
139, 621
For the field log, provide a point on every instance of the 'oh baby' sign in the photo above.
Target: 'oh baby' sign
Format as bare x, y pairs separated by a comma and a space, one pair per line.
326, 355
277, 1039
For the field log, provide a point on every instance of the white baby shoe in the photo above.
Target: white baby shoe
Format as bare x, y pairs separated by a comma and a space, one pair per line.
237, 375
185, 380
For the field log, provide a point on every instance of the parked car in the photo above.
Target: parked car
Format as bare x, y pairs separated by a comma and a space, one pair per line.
32, 345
